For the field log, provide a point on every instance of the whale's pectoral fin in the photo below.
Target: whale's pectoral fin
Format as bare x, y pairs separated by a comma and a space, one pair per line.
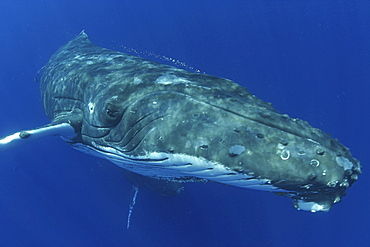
162, 187
132, 203
26, 136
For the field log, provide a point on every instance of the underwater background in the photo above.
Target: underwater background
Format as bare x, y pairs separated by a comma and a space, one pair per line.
311, 59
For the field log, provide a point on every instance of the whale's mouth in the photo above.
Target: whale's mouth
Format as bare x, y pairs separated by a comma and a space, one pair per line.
185, 168
177, 167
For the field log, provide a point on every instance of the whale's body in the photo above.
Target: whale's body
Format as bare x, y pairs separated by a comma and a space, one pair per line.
168, 124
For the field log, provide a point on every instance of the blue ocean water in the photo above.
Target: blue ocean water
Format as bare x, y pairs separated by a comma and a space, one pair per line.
309, 58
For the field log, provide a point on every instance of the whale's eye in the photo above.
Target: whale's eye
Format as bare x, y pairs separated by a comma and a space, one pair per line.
111, 110
112, 114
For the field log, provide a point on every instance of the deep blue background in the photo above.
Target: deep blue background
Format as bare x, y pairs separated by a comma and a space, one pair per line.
309, 58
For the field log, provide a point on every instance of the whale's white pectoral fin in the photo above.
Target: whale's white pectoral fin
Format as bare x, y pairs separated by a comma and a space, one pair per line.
27, 136
132, 204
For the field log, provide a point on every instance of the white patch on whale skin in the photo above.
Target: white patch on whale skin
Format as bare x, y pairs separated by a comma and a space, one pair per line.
170, 79
137, 81
236, 150
343, 162
91, 107
311, 206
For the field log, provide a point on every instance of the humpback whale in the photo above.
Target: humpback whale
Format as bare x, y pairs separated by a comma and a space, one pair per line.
166, 126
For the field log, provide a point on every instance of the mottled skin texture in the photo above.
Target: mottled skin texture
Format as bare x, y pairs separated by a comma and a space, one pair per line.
139, 106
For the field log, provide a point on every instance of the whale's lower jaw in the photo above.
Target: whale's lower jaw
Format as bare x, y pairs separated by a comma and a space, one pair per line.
185, 168
178, 167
